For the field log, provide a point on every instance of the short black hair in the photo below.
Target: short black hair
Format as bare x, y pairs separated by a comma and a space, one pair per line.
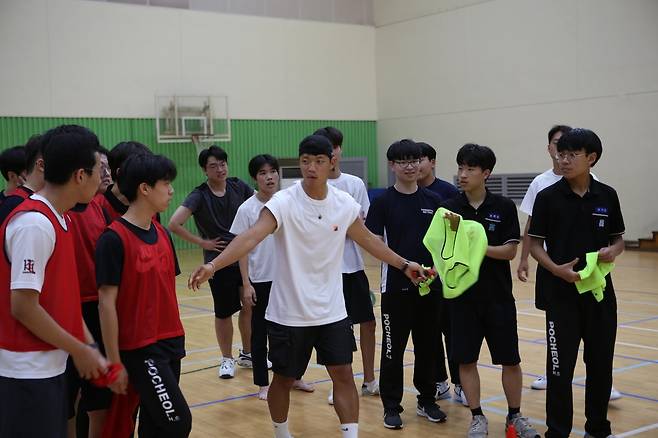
580, 138
333, 134
475, 155
257, 163
12, 160
558, 128
33, 150
120, 153
316, 145
426, 150
66, 149
403, 149
213, 151
144, 168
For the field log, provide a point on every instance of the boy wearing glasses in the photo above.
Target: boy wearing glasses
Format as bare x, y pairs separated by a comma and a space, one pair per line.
539, 183
214, 204
576, 216
401, 216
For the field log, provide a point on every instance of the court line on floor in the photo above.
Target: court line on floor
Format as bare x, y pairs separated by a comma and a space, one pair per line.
638, 430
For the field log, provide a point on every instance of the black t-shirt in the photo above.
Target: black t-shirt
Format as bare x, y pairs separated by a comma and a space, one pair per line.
213, 215
11, 202
109, 252
403, 220
443, 188
500, 220
571, 225
116, 204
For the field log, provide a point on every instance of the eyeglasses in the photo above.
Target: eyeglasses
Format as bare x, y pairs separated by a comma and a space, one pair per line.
569, 156
405, 163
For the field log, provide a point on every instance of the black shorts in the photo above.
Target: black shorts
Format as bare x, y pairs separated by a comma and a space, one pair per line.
356, 291
474, 320
291, 347
33, 407
225, 288
92, 398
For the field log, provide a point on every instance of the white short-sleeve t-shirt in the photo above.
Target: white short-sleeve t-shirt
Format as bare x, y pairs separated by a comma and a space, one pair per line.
310, 238
352, 260
31, 236
262, 259
539, 183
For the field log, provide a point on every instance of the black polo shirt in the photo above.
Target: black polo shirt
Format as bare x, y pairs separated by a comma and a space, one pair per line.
571, 225
500, 220
403, 219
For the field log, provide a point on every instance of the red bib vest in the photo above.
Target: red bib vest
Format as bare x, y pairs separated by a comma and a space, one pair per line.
87, 227
147, 307
105, 205
60, 293
21, 191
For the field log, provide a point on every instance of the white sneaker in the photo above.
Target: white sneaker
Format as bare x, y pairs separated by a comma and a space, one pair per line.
330, 398
479, 427
540, 383
460, 396
244, 360
614, 394
442, 390
370, 388
227, 368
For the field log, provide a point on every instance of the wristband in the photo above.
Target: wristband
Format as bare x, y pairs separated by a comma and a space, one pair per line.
405, 265
213, 266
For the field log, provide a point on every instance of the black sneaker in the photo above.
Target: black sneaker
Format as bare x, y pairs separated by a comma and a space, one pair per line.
432, 413
392, 420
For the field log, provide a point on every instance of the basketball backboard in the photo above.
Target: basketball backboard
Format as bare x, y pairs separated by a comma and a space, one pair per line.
178, 118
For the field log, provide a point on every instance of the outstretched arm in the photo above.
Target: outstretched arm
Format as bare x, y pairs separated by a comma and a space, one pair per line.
376, 246
239, 247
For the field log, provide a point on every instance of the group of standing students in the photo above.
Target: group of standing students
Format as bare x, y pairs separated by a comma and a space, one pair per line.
288, 261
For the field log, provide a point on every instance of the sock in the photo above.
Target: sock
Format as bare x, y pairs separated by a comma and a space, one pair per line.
281, 429
350, 430
512, 411
477, 411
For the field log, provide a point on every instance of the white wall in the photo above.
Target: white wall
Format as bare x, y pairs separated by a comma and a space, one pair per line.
502, 72
96, 59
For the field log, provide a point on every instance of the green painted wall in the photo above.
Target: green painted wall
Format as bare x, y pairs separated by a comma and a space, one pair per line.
249, 137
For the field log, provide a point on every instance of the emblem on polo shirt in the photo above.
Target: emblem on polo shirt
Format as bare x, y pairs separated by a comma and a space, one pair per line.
600, 213
492, 219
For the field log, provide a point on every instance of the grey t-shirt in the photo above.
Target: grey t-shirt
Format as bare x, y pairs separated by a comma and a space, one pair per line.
213, 215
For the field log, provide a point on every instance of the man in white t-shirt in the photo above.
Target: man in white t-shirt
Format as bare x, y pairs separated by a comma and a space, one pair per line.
257, 269
356, 289
310, 222
40, 316
539, 183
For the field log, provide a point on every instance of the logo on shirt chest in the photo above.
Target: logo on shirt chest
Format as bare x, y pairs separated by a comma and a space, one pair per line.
600, 215
427, 211
493, 219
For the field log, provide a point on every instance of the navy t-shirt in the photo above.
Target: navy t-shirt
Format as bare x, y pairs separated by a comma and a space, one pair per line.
500, 220
443, 189
403, 220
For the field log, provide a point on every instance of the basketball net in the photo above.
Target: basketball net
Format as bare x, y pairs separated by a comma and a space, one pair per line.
197, 140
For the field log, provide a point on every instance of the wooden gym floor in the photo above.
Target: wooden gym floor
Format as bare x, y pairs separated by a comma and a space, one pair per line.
230, 408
